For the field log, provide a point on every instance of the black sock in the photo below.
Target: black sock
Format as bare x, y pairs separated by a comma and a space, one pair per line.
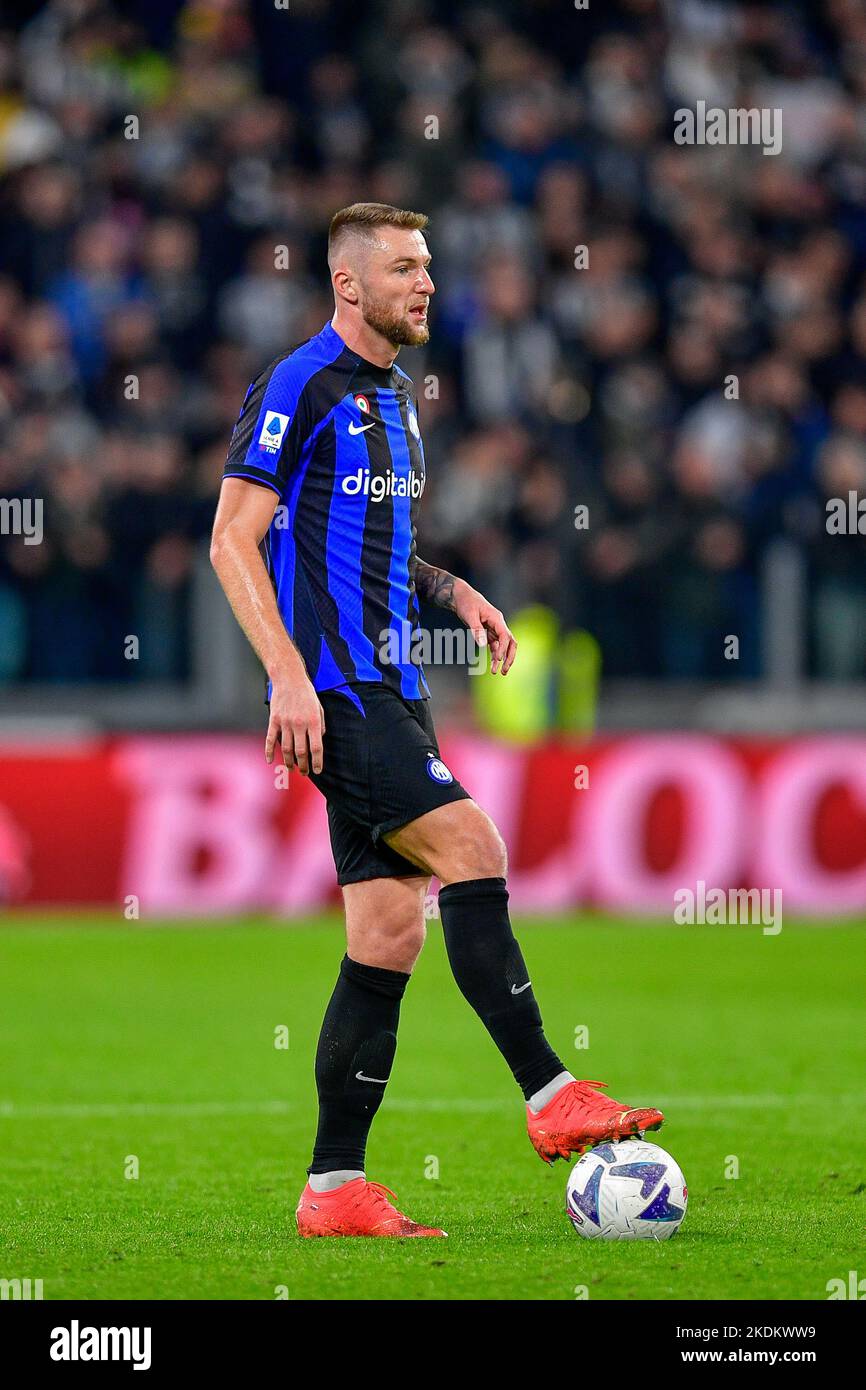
353, 1060
489, 968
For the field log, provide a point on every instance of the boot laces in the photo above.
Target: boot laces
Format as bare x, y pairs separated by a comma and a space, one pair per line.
378, 1193
585, 1092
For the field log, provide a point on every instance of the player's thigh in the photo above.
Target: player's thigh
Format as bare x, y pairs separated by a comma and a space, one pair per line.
385, 920
455, 842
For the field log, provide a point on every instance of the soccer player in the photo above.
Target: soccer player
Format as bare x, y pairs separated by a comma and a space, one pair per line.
314, 545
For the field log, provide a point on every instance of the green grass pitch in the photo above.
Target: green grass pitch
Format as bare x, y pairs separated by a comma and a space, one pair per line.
158, 1042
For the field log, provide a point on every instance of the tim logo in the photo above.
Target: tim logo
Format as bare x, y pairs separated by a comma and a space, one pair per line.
77, 1343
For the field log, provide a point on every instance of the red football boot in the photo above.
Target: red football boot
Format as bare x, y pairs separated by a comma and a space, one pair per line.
358, 1208
578, 1118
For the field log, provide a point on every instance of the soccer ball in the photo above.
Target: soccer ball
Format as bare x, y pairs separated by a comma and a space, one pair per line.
626, 1191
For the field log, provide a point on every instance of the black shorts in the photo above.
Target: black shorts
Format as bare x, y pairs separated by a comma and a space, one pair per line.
381, 769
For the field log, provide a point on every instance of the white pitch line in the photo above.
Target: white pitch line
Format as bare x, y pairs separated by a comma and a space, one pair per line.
9, 1110
98, 1110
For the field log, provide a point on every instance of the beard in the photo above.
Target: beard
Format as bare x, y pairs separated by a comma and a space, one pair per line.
394, 327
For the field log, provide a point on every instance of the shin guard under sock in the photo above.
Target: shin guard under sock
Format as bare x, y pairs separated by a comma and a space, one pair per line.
488, 966
353, 1061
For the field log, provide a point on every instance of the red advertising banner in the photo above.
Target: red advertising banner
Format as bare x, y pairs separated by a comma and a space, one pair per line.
198, 825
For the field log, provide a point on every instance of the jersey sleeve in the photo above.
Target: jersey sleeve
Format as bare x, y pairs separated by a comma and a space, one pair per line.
272, 427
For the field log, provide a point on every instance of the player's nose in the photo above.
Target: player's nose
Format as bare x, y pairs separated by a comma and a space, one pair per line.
424, 285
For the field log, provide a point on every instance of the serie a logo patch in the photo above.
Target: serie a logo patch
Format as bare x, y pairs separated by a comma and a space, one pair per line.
273, 430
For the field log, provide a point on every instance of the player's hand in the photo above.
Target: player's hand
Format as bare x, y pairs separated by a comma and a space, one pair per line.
297, 723
487, 626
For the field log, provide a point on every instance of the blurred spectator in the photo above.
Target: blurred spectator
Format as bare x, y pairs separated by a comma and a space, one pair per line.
672, 336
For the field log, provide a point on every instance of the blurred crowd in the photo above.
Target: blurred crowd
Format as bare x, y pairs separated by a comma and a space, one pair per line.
699, 386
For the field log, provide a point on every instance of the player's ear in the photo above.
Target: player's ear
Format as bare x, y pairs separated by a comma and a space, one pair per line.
344, 286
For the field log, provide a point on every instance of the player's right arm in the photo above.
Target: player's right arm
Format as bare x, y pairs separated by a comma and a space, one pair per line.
274, 422
297, 721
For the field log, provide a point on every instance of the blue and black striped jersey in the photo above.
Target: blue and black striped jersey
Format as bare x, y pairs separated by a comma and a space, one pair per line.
337, 439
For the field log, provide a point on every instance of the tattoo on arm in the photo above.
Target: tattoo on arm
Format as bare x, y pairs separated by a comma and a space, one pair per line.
434, 585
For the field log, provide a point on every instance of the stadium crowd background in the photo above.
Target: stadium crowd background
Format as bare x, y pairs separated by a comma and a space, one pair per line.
544, 387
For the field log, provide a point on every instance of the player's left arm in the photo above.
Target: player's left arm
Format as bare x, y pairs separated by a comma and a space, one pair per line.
485, 622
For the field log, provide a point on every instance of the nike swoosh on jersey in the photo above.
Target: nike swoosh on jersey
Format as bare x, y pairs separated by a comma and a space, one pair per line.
515, 990
378, 1080
359, 429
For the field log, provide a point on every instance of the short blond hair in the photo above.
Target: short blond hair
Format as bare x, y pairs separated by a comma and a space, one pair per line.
364, 218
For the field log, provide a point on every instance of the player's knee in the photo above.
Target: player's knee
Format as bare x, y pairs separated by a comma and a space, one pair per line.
394, 937
385, 921
400, 939
493, 856
482, 854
